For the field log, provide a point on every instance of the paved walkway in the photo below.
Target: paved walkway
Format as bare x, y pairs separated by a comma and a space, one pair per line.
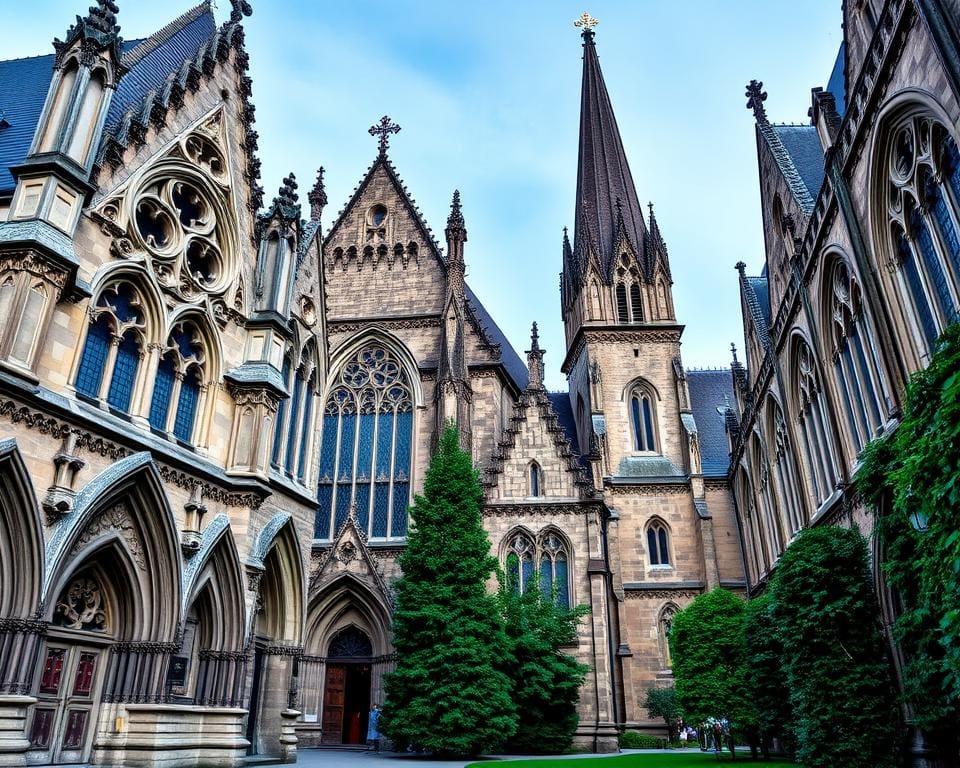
334, 758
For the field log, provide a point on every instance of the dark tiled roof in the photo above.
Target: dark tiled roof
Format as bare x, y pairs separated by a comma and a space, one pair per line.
603, 175
156, 57
23, 89
561, 406
837, 83
803, 145
710, 390
761, 289
514, 366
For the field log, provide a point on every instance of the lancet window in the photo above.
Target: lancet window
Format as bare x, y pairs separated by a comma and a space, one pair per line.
924, 210
114, 346
643, 419
786, 470
854, 360
366, 446
658, 543
813, 423
179, 383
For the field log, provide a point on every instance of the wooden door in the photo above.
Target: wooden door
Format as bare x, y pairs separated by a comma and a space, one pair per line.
67, 692
333, 698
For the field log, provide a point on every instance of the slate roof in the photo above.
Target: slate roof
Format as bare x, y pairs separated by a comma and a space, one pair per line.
24, 82
154, 58
802, 143
837, 83
514, 366
709, 390
561, 406
603, 174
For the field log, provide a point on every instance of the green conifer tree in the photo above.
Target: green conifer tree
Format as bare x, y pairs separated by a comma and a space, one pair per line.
448, 693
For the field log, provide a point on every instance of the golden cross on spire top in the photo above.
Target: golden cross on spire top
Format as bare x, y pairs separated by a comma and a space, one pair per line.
586, 22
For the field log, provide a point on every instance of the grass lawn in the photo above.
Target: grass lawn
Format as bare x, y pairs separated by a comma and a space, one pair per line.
665, 760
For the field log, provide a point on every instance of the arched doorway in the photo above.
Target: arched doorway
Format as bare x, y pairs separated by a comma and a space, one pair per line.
346, 691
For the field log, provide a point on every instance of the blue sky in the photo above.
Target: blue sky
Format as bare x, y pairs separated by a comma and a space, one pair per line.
488, 97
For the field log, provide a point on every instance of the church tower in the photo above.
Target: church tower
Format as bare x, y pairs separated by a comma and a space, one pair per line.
631, 402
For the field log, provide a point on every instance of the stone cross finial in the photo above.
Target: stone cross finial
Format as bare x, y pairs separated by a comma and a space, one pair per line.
586, 22
384, 128
755, 98
241, 8
317, 196
733, 350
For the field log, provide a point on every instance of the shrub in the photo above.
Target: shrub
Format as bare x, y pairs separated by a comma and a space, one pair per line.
634, 740
765, 672
841, 692
662, 703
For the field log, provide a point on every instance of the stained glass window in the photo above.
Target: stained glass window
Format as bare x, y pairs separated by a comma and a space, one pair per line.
292, 425
124, 372
546, 562
368, 431
162, 391
187, 406
178, 382
305, 432
915, 284
281, 413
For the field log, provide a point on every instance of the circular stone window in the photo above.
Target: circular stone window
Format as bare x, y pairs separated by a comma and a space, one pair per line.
377, 215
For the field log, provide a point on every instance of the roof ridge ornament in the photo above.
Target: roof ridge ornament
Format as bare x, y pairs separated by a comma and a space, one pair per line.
241, 8
586, 22
384, 128
755, 98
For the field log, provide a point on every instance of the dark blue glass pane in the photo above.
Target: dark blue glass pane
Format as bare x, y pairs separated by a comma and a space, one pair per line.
181, 339
324, 500
863, 420
941, 213
365, 445
526, 569
398, 526
648, 425
343, 505
637, 428
652, 546
845, 395
121, 301
534, 480
384, 446
162, 390
187, 407
278, 433
561, 580
363, 505
328, 448
664, 552
124, 373
381, 509
94, 358
873, 401
292, 426
932, 264
546, 576
347, 429
305, 432
952, 165
916, 290
402, 450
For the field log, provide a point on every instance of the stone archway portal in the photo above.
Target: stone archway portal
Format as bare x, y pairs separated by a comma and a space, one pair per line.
346, 691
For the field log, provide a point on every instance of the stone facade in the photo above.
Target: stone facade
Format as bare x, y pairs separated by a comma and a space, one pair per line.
214, 420
860, 214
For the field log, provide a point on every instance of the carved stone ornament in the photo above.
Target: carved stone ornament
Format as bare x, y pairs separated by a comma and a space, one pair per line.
81, 607
116, 518
346, 552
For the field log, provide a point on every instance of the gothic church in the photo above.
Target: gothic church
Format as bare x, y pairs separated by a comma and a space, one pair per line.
214, 416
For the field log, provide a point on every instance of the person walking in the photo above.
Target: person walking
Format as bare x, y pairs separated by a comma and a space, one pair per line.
373, 728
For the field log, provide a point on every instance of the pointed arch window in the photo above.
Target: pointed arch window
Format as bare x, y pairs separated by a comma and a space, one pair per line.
521, 555
636, 306
596, 305
366, 446
282, 415
642, 418
658, 543
786, 470
535, 476
923, 205
112, 351
769, 519
179, 383
817, 445
623, 312
855, 363
554, 575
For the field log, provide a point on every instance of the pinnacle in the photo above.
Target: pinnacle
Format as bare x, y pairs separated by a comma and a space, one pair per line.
455, 219
317, 196
103, 16
755, 98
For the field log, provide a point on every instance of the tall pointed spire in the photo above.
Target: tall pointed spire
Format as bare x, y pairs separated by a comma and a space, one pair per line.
535, 360
603, 174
